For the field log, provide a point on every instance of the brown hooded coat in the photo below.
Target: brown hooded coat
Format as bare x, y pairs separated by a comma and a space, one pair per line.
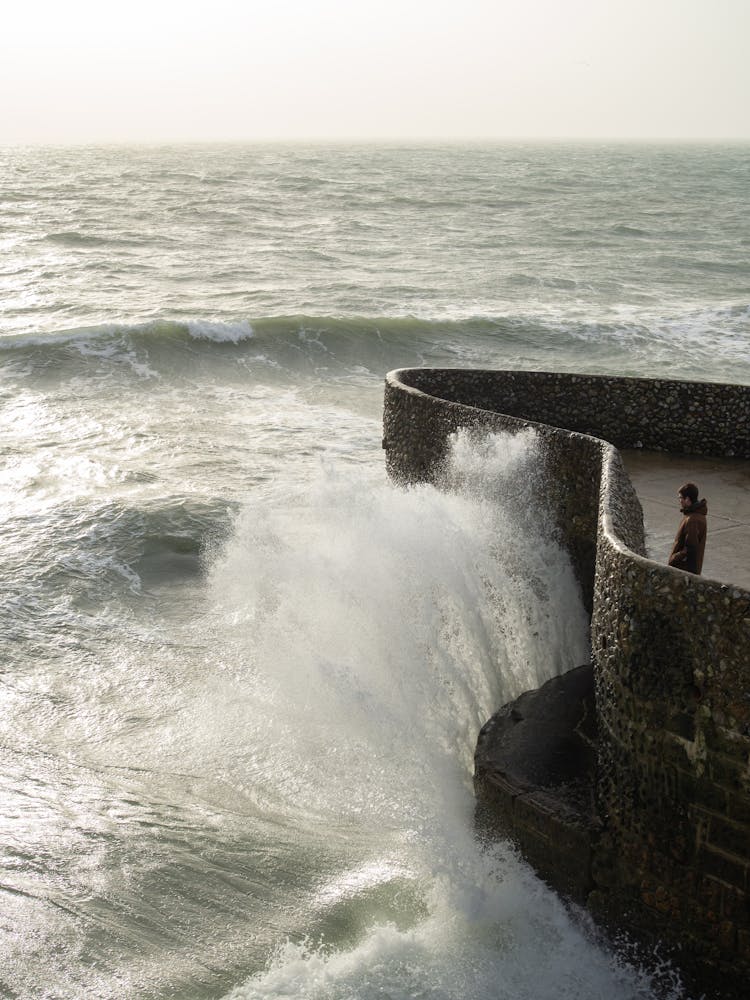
690, 541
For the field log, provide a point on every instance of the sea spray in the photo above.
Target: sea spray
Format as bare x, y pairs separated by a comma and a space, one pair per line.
364, 612
379, 628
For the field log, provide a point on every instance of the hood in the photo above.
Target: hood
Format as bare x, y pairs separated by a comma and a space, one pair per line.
699, 507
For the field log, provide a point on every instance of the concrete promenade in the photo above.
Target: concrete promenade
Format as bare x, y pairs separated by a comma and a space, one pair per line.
725, 485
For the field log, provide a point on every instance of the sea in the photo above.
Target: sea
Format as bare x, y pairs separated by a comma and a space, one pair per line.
241, 672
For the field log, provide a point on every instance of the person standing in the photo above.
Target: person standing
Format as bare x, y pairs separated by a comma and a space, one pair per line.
690, 540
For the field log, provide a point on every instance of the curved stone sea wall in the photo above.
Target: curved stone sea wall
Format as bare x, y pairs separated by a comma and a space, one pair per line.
670, 651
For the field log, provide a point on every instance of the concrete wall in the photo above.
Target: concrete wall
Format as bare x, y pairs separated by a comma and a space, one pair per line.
671, 651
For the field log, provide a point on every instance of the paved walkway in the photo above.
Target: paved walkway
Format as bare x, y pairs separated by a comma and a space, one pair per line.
725, 484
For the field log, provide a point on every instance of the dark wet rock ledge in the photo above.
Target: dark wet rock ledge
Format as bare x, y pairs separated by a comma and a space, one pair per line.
535, 769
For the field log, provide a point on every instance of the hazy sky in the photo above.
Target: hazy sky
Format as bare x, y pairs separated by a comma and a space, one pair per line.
78, 70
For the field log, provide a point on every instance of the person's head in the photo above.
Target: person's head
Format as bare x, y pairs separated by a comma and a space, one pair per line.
688, 495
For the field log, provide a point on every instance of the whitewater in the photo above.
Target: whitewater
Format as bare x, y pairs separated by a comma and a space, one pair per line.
242, 673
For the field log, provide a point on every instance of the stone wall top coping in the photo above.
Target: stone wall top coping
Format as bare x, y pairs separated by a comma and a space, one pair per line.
397, 377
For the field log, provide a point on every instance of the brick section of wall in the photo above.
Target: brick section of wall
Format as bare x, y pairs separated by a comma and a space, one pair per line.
671, 651
672, 658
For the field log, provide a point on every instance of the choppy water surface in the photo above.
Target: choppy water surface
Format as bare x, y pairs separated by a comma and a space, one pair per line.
242, 674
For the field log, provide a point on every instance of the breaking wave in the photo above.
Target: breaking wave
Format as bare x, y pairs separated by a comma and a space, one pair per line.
632, 342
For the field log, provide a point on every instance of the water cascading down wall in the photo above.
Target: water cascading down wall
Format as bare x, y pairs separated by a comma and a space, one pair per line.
668, 857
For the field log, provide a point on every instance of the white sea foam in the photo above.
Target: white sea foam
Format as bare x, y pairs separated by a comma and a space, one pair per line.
501, 935
221, 333
116, 350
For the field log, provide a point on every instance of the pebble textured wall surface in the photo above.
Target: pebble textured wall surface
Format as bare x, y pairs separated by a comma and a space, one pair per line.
691, 418
671, 651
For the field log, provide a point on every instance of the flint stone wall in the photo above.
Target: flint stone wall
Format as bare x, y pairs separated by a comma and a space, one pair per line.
671, 651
